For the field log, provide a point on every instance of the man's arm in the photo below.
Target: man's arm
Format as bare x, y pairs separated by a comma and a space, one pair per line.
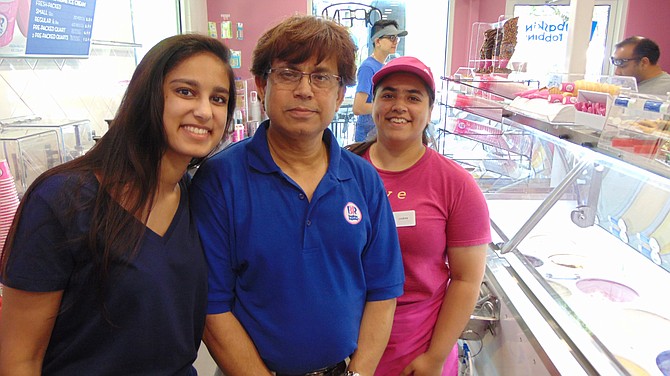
231, 347
373, 336
360, 106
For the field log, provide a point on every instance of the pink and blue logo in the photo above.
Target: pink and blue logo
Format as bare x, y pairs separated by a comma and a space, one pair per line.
352, 213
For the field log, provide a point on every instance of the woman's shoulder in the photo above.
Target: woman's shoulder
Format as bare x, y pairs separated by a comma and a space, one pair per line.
444, 163
65, 185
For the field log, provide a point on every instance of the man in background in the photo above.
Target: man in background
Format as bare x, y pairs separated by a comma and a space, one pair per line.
638, 57
385, 35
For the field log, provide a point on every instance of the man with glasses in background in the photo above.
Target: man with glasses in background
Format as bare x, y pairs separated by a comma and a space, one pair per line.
303, 254
638, 57
385, 36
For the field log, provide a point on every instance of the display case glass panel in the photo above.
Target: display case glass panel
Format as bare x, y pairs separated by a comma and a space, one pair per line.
583, 233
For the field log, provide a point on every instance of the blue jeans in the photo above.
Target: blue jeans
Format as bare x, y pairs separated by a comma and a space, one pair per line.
362, 131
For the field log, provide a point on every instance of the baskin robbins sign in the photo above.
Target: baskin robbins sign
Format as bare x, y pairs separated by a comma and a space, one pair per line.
546, 30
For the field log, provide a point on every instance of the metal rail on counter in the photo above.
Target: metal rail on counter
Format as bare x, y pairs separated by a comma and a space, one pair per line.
582, 136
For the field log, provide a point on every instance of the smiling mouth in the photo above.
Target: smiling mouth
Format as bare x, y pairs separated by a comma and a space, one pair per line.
398, 121
196, 130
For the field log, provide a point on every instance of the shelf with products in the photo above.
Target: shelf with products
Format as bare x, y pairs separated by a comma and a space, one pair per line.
472, 131
580, 250
638, 130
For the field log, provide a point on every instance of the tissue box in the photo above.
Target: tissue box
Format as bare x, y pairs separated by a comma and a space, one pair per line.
593, 121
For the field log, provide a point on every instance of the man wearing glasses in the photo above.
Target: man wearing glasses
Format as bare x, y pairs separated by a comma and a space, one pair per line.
385, 36
303, 253
638, 57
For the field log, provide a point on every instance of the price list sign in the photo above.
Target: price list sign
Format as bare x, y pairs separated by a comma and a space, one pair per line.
60, 27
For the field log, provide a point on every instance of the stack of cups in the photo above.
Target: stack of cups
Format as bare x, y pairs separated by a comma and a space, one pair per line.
9, 201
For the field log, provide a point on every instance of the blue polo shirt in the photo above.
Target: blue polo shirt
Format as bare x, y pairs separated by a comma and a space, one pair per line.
296, 273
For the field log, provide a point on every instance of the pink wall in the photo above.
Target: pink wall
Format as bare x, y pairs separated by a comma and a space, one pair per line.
649, 18
638, 22
257, 16
265, 13
467, 12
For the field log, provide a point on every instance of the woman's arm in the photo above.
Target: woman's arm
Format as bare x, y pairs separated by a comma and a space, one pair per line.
467, 266
26, 322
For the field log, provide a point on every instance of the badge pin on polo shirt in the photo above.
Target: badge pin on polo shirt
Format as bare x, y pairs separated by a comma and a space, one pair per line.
405, 218
352, 213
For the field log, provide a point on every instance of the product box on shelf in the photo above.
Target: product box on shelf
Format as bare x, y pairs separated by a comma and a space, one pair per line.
505, 88
592, 109
638, 128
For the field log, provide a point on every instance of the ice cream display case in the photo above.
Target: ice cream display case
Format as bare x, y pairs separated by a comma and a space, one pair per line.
580, 256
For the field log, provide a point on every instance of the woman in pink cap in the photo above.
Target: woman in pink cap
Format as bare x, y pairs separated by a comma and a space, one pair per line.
442, 221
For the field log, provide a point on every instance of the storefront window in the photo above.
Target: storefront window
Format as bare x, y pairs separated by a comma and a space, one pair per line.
543, 35
427, 38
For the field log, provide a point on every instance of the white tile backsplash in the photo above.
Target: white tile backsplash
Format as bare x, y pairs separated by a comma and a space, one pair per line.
72, 89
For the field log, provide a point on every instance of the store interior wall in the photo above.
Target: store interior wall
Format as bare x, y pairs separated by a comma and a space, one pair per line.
638, 21
649, 18
90, 88
255, 19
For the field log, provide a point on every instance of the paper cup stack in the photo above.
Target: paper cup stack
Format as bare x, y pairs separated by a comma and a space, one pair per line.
9, 201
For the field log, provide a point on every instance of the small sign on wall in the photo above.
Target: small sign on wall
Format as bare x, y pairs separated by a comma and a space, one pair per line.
211, 28
240, 31
226, 27
236, 59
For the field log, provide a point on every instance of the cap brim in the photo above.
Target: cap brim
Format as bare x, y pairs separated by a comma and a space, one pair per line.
405, 68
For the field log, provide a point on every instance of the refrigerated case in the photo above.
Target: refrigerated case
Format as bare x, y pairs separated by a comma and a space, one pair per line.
573, 286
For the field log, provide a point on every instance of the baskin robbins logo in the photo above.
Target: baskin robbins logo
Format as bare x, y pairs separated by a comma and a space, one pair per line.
352, 213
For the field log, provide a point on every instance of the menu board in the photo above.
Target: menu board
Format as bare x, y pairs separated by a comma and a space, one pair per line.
33, 28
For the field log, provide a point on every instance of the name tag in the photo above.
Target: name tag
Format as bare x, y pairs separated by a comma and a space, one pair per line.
405, 218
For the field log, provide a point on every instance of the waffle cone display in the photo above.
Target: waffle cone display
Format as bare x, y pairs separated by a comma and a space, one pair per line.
499, 45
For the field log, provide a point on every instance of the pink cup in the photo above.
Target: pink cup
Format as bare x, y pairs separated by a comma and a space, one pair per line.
8, 10
5, 174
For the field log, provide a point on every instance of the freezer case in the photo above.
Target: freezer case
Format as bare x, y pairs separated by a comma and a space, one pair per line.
579, 263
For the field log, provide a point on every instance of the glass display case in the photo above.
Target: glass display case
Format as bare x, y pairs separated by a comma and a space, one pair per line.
474, 135
574, 272
75, 137
492, 45
29, 152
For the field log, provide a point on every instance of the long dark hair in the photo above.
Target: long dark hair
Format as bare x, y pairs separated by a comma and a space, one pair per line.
127, 158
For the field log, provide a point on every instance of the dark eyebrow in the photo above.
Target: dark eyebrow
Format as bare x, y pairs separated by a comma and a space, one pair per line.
395, 90
317, 69
218, 89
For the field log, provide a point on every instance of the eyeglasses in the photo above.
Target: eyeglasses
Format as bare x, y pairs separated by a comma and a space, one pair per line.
620, 62
289, 78
392, 38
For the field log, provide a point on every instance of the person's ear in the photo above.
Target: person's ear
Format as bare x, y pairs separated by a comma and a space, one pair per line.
260, 87
645, 61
